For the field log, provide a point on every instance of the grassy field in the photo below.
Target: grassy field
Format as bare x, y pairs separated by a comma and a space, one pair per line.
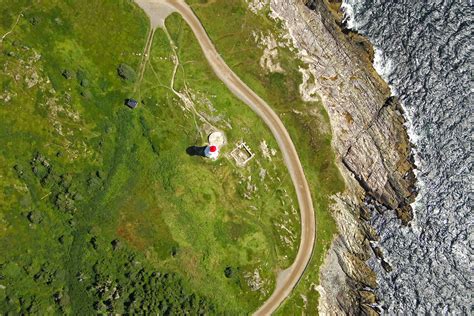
220, 215
237, 33
101, 209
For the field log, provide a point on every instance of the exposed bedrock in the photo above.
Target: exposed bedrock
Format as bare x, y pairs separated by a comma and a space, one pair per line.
369, 137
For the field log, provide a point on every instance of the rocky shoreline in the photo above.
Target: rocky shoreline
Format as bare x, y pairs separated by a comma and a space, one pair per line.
373, 151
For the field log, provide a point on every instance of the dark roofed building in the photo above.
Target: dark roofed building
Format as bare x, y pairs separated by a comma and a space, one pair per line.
131, 103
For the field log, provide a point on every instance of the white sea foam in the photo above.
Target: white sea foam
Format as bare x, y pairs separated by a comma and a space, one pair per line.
348, 10
428, 258
384, 67
431, 262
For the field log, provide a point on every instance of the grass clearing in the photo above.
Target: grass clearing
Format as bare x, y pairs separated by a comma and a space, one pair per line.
234, 30
100, 206
220, 215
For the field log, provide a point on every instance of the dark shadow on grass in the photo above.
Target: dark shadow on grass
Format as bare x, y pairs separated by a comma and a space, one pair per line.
196, 151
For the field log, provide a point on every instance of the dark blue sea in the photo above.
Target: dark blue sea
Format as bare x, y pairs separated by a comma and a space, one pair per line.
424, 50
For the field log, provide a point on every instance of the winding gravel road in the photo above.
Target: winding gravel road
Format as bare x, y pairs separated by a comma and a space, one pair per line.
157, 10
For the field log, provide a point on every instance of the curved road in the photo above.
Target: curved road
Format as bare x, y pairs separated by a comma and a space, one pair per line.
287, 279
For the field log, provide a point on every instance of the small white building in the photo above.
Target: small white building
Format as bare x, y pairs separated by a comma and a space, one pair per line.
211, 151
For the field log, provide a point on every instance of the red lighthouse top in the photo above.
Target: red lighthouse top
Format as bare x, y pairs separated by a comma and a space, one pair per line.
212, 148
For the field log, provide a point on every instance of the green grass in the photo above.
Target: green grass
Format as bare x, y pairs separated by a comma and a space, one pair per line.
231, 27
99, 173
98, 200
203, 202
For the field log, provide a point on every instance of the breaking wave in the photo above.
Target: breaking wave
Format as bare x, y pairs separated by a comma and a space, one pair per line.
424, 51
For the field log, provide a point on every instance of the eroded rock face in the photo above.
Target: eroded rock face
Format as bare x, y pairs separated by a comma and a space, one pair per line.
370, 140
424, 51
367, 122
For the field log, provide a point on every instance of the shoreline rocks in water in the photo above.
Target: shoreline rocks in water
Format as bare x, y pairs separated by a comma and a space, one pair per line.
424, 53
372, 146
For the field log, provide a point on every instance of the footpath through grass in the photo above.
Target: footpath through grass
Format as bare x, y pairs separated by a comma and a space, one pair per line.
240, 36
101, 209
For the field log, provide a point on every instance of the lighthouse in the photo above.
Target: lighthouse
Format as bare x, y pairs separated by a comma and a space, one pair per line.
211, 151
216, 142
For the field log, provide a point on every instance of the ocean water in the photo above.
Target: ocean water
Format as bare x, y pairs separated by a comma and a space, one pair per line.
424, 50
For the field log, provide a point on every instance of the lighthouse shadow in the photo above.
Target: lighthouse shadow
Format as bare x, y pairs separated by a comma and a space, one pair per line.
196, 151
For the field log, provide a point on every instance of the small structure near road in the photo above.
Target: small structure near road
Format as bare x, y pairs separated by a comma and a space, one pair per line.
212, 152
131, 103
242, 154
216, 141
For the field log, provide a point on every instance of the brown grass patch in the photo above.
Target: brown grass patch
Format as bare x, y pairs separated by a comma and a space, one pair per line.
128, 231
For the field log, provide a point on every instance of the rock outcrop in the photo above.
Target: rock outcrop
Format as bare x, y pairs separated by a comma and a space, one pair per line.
369, 137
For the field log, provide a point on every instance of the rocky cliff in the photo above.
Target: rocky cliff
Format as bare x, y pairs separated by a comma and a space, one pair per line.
372, 146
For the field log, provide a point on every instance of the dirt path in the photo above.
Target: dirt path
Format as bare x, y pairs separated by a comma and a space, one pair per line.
288, 278
144, 60
14, 25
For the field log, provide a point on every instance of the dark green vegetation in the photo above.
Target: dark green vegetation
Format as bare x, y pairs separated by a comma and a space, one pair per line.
101, 210
66, 142
232, 27
126, 72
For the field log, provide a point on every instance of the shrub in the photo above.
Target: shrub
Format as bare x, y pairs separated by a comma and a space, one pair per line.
35, 217
126, 72
81, 75
229, 272
67, 74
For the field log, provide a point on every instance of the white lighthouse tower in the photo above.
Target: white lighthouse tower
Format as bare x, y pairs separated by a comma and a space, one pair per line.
211, 151
216, 141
